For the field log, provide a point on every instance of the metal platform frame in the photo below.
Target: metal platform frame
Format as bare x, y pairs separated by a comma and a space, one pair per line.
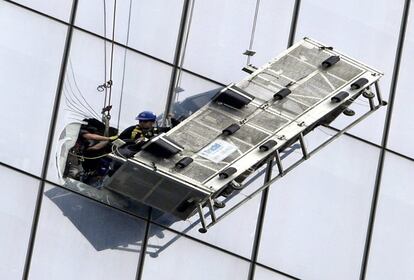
275, 159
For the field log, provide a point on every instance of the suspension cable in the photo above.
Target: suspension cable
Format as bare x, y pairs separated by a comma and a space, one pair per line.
105, 62
124, 64
106, 114
256, 13
112, 55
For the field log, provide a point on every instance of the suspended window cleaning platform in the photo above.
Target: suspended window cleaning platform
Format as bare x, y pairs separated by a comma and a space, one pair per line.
246, 125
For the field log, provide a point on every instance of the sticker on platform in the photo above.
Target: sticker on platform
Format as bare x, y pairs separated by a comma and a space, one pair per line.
217, 150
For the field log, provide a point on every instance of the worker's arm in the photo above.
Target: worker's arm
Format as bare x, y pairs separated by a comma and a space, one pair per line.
97, 137
98, 146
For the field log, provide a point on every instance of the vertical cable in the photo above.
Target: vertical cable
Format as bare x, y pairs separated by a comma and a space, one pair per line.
112, 56
105, 62
124, 64
391, 99
256, 13
52, 127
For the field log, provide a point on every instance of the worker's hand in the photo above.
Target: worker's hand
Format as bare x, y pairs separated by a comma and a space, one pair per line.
113, 138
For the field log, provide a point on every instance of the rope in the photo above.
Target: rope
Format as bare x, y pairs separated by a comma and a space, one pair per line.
112, 56
78, 89
124, 65
105, 62
256, 13
83, 157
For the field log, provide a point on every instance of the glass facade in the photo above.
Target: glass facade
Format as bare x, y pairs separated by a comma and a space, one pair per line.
343, 214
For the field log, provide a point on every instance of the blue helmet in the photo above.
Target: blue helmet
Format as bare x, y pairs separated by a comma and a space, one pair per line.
146, 116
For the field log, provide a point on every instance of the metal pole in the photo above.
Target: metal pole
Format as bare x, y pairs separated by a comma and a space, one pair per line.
393, 88
294, 23
176, 63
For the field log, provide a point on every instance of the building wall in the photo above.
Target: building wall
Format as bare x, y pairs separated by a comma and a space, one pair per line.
344, 214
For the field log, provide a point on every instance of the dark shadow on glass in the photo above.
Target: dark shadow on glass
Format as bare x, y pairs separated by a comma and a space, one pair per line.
105, 228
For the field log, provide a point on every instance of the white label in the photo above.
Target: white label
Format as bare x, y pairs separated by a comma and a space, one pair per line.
217, 150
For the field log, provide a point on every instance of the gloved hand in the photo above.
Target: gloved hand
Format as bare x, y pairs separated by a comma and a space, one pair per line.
113, 138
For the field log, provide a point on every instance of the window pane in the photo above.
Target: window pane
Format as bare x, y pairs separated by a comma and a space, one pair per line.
31, 50
60, 9
185, 259
317, 214
401, 136
366, 30
219, 34
266, 274
17, 204
272, 30
392, 248
81, 239
153, 24
199, 90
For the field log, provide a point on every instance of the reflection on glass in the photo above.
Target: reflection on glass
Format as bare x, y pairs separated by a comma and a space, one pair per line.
17, 204
60, 9
272, 30
30, 56
265, 274
401, 135
77, 238
148, 26
392, 245
185, 258
317, 215
367, 31
220, 33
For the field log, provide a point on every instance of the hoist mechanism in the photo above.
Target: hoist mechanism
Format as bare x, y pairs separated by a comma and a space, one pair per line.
203, 162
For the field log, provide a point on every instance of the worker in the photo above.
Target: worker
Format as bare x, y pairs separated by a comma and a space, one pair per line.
85, 160
146, 129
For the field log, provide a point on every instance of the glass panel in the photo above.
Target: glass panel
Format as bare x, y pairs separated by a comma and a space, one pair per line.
139, 84
225, 234
392, 248
153, 25
30, 56
198, 90
78, 238
272, 30
318, 213
17, 204
266, 274
401, 135
186, 259
60, 9
366, 30
219, 34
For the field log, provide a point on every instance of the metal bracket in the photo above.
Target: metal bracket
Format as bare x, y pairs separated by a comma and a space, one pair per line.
249, 52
